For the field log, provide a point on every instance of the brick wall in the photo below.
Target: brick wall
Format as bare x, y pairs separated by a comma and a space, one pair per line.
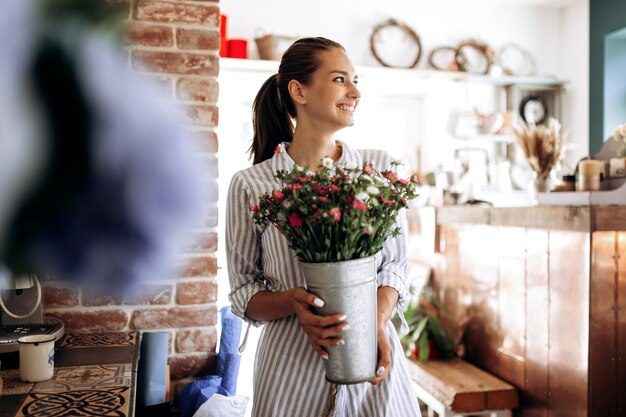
178, 41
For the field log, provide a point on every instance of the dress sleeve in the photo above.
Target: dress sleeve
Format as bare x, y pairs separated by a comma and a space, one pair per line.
243, 250
393, 269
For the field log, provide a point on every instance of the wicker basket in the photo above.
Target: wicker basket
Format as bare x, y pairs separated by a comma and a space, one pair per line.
272, 47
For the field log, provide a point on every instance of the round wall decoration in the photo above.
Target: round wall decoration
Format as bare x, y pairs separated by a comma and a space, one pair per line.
394, 44
474, 57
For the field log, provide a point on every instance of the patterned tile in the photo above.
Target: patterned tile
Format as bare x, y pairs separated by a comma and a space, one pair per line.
12, 384
82, 340
87, 377
111, 402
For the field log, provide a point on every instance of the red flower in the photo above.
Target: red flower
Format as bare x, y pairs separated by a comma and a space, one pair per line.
295, 220
322, 199
295, 186
403, 181
255, 209
359, 205
277, 150
336, 213
278, 195
390, 175
335, 188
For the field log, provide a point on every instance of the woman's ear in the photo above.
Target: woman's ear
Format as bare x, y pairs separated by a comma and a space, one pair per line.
296, 92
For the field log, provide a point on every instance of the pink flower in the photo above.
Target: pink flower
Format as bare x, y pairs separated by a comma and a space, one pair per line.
277, 150
322, 199
359, 205
278, 195
255, 209
367, 169
390, 175
403, 181
336, 213
295, 220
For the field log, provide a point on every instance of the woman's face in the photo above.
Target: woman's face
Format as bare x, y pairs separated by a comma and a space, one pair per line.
332, 96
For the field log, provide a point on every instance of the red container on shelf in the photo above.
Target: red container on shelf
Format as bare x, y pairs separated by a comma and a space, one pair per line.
223, 41
238, 48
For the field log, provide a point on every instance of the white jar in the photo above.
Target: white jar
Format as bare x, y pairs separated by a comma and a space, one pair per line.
36, 357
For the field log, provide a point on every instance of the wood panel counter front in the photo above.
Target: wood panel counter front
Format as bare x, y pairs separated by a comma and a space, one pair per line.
542, 294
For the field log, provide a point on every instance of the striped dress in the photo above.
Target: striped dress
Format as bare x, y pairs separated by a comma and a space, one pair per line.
289, 375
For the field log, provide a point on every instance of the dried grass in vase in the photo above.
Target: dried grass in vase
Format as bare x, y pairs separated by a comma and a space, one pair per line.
542, 145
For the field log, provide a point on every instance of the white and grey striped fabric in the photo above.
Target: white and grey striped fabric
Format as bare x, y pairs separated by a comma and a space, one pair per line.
289, 375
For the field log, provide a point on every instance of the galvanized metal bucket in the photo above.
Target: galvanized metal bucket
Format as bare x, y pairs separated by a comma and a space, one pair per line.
348, 287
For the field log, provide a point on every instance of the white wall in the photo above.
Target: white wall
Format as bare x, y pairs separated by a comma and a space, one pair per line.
574, 66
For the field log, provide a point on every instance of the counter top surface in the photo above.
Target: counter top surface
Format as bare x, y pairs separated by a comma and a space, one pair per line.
573, 218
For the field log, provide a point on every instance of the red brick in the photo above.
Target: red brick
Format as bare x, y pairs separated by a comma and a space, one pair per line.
201, 242
147, 294
196, 292
59, 295
197, 266
138, 33
175, 62
196, 89
205, 140
178, 12
162, 84
203, 115
208, 40
195, 364
196, 340
92, 321
174, 317
211, 217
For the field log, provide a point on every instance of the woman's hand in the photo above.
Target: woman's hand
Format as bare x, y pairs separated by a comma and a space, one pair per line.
321, 330
384, 357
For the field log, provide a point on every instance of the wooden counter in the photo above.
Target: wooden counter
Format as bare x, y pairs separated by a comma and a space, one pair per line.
541, 292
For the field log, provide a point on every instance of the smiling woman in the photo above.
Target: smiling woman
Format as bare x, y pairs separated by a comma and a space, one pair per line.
316, 85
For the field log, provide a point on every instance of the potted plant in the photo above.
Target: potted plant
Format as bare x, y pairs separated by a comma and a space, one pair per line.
429, 336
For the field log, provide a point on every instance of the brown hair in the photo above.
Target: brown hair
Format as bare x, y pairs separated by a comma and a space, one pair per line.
273, 107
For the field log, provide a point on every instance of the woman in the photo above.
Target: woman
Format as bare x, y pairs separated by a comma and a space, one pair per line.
316, 86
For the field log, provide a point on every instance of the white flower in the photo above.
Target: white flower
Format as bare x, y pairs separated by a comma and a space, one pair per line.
350, 165
619, 134
286, 204
372, 190
362, 196
366, 178
327, 162
368, 229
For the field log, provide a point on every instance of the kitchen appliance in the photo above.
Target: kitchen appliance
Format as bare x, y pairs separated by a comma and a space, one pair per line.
21, 312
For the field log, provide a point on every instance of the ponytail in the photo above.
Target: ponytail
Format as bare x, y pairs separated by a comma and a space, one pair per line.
273, 108
271, 120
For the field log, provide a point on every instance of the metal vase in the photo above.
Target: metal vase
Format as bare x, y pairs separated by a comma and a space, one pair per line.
348, 287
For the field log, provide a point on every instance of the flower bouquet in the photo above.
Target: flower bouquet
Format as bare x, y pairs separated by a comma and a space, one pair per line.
336, 220
338, 213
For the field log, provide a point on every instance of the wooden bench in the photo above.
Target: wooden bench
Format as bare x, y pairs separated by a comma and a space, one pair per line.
454, 387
